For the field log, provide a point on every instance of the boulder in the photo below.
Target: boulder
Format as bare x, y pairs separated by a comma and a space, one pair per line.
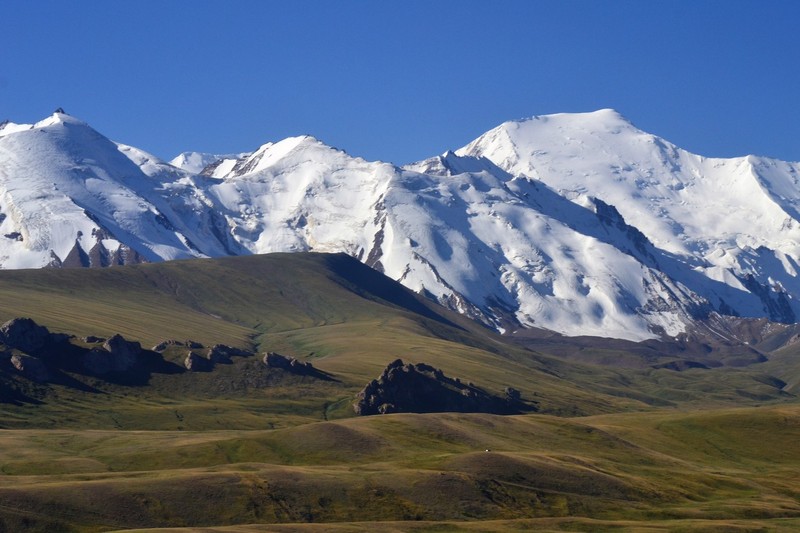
25, 335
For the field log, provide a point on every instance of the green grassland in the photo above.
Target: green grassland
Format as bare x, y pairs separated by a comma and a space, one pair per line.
605, 448
691, 470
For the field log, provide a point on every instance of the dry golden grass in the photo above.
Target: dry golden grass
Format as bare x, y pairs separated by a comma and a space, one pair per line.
707, 470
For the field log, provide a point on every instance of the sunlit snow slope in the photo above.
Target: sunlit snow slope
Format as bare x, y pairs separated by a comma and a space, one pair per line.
581, 224
71, 197
728, 226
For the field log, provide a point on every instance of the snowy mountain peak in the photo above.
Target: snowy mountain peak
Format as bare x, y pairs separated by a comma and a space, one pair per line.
198, 162
513, 144
285, 153
71, 197
59, 117
577, 223
7, 127
600, 121
232, 165
194, 162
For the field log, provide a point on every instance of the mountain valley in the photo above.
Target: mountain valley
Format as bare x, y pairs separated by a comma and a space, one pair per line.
568, 324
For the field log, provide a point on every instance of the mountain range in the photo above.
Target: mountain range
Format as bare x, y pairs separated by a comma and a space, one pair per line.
578, 224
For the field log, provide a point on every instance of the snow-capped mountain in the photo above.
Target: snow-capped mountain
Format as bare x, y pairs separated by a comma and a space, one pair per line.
577, 223
196, 162
71, 197
730, 226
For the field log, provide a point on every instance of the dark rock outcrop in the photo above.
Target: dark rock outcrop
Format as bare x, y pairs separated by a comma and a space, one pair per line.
98, 255
421, 388
197, 363
31, 367
32, 352
116, 355
217, 354
25, 335
97, 361
512, 393
76, 257
221, 353
276, 360
124, 352
163, 345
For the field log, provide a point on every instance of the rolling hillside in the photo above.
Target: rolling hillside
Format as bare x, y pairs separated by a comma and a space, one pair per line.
655, 442
351, 321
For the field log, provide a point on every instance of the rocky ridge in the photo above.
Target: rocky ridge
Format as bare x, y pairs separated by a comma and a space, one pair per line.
421, 388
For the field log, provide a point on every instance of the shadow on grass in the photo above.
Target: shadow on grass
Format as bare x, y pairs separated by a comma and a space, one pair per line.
12, 396
147, 364
320, 374
372, 285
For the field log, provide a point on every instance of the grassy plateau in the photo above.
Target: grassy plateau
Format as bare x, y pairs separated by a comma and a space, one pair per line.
241, 448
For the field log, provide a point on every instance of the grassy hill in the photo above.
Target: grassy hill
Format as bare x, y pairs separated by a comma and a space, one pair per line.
692, 471
349, 320
610, 446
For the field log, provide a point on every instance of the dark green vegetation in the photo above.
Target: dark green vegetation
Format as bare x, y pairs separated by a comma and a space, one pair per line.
656, 444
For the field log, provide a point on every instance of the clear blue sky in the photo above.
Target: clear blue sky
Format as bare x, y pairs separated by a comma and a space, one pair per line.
401, 81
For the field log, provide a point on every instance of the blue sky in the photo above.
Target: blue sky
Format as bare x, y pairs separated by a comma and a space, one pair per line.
401, 81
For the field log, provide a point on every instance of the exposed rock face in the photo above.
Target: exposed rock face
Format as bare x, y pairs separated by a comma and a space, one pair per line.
421, 388
98, 255
192, 345
32, 368
124, 352
97, 361
197, 363
217, 354
24, 334
276, 360
116, 355
221, 353
161, 346
512, 393
31, 351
